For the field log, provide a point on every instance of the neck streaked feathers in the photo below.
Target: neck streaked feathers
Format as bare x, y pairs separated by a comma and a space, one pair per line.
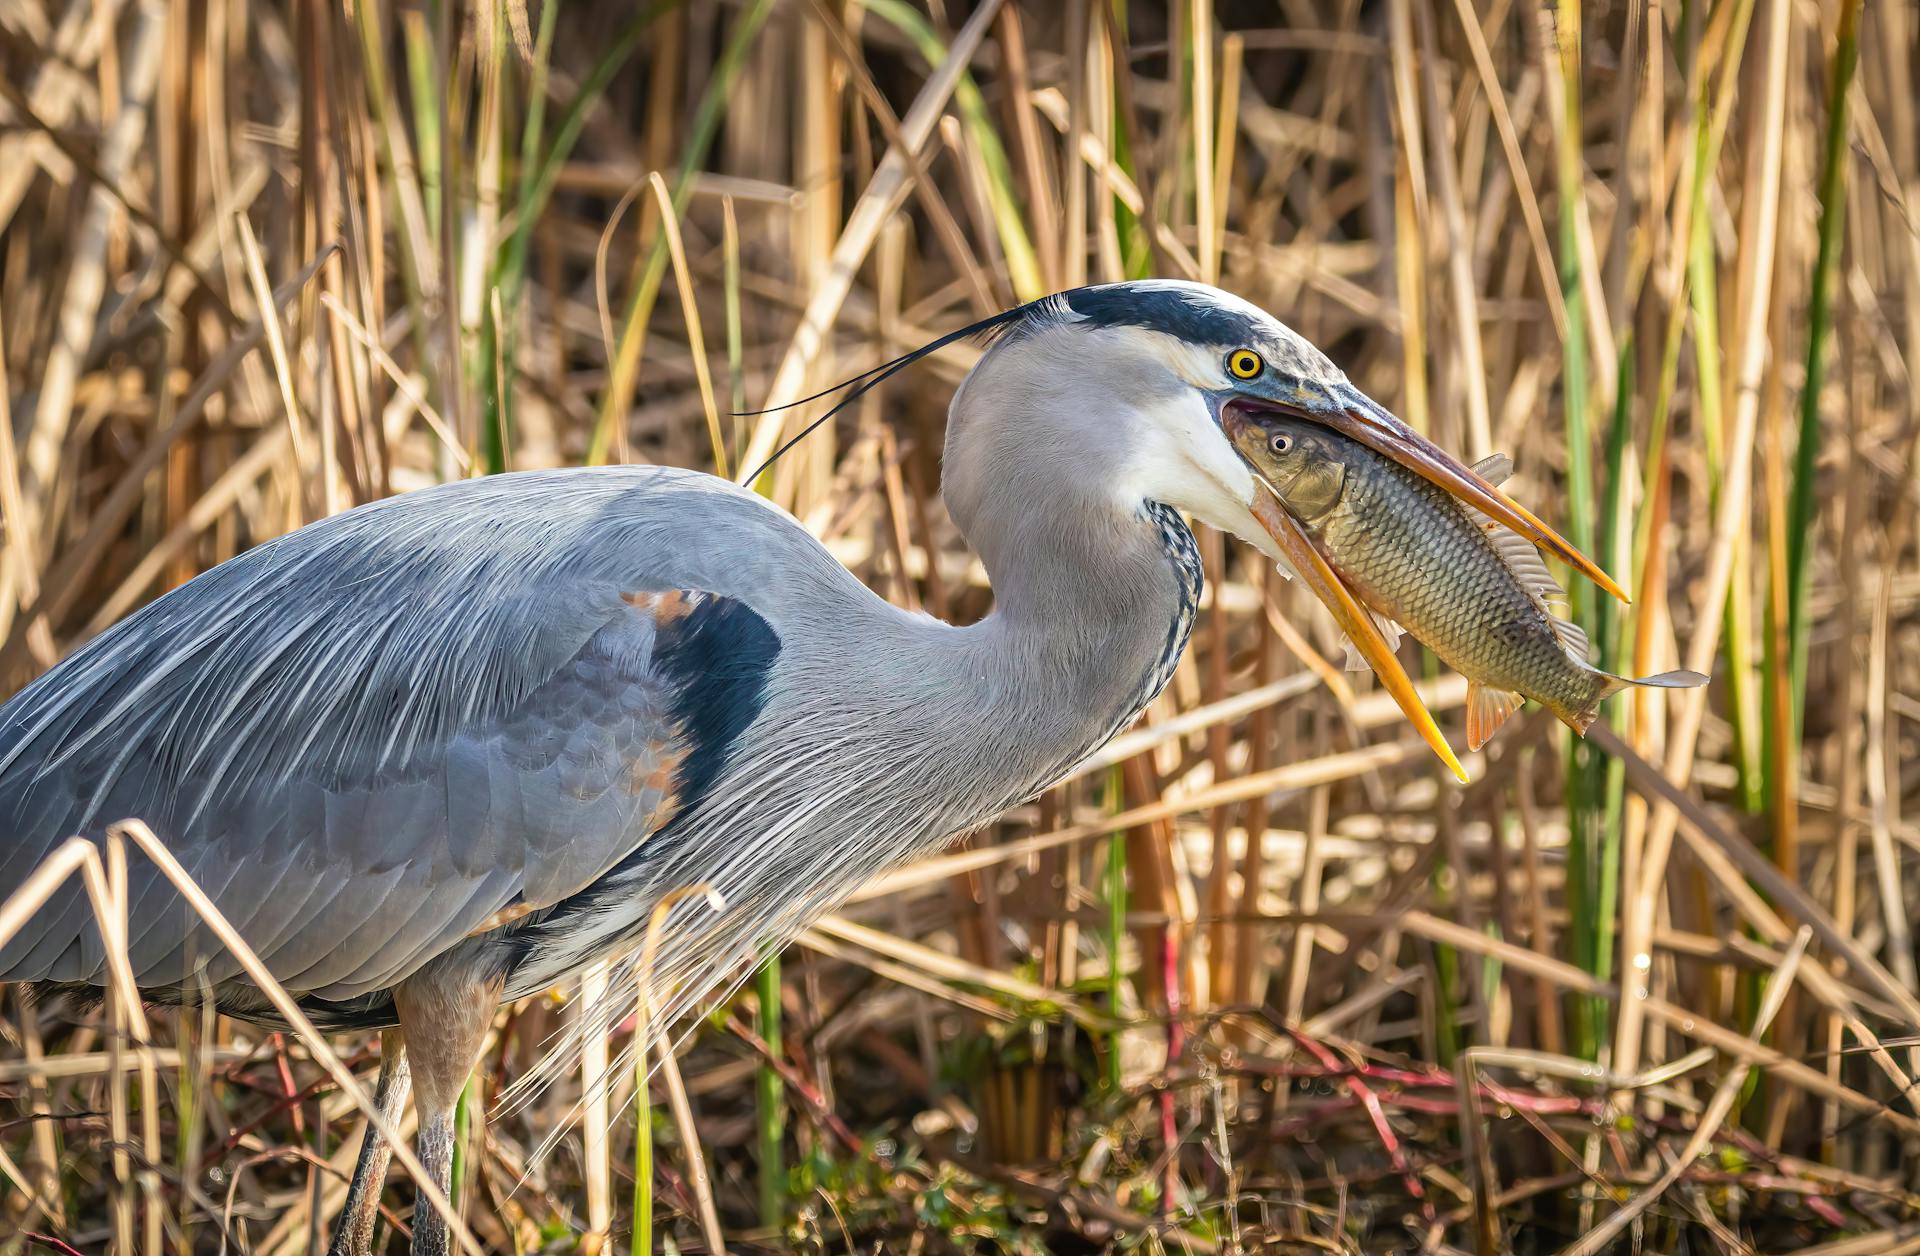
860, 793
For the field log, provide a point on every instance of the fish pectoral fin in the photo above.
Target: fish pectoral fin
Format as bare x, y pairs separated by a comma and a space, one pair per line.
1388, 629
1494, 469
1487, 710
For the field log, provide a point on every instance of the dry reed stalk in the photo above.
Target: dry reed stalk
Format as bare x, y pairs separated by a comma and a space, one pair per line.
877, 203
690, 309
20, 562
1091, 141
1453, 216
1724, 1094
1329, 768
61, 583
690, 1144
87, 276
597, 1167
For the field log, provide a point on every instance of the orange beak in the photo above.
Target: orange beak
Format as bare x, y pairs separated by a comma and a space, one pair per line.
1304, 556
1359, 417
1354, 414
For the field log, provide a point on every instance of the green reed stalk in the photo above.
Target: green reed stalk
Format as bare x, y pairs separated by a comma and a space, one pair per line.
490, 373
498, 343
1023, 263
537, 175
771, 1095
421, 84
1136, 251
1736, 630
1585, 780
642, 1134
1800, 513
1610, 630
402, 178
736, 340
462, 1126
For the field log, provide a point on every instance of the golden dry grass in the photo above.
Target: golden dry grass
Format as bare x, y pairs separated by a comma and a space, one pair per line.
260, 263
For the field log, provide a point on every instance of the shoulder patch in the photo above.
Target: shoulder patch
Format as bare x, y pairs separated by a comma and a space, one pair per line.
717, 653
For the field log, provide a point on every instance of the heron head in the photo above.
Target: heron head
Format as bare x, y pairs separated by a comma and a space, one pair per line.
1165, 377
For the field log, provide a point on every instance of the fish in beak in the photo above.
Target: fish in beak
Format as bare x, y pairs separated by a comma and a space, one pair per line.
1351, 412
1311, 566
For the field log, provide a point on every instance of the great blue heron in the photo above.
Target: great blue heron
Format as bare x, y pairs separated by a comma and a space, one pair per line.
449, 748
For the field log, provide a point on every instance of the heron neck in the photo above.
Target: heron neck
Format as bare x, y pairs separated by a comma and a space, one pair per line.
1091, 615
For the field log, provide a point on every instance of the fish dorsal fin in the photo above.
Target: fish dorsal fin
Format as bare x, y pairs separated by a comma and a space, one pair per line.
1388, 629
1494, 469
1524, 561
1487, 710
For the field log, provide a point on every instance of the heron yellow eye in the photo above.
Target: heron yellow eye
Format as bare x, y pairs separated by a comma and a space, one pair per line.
1244, 364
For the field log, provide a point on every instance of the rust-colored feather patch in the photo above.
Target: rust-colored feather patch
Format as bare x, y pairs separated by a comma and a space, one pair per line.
505, 916
666, 607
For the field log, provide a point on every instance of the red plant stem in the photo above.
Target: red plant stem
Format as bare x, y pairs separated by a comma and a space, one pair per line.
815, 1102
1371, 1102
282, 1102
289, 1090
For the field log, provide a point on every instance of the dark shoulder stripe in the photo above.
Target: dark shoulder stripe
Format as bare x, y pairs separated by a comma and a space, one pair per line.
717, 652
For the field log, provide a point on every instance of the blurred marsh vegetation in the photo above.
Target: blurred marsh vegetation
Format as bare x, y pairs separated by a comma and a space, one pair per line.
1257, 977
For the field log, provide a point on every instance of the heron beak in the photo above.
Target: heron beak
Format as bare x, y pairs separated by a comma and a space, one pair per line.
1304, 556
1353, 413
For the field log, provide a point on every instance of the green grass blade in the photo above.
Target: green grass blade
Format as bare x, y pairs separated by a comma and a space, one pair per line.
462, 1127
1603, 779
1737, 636
771, 1095
1136, 250
642, 1141
1585, 777
539, 176
1833, 187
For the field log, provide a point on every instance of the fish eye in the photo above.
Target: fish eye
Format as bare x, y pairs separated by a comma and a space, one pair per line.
1281, 443
1244, 364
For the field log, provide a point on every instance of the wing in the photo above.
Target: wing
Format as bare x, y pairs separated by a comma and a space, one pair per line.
371, 740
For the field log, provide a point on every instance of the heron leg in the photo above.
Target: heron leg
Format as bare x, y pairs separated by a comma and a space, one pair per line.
444, 1011
353, 1235
434, 1143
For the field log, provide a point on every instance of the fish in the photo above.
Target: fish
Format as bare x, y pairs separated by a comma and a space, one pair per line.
1476, 594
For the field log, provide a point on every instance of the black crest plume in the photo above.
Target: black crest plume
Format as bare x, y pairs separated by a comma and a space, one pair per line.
859, 384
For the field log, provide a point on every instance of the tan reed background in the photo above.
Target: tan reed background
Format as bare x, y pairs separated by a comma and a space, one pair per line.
1257, 978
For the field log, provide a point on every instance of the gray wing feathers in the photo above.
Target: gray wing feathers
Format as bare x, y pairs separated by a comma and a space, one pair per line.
365, 739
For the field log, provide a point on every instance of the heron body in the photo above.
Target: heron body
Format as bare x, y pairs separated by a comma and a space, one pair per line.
453, 746
375, 743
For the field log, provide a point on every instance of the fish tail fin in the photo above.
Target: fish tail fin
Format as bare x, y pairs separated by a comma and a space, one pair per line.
1581, 720
1680, 679
1487, 709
